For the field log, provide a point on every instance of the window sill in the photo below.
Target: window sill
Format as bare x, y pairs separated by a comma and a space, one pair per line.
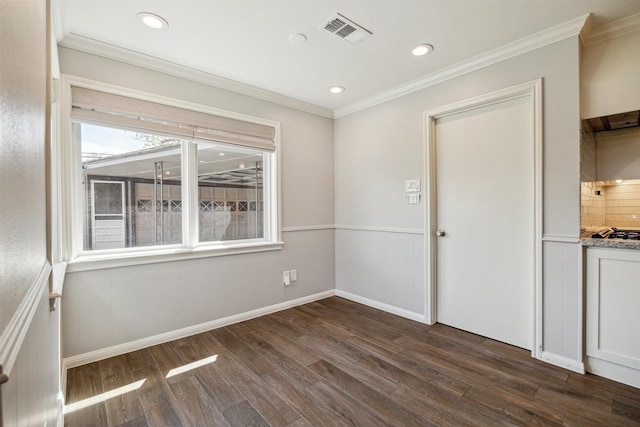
87, 262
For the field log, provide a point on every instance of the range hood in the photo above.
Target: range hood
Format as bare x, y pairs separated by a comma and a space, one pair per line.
615, 121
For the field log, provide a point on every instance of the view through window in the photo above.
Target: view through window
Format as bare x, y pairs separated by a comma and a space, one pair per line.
133, 184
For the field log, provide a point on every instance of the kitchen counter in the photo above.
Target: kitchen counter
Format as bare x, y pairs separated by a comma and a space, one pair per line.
610, 243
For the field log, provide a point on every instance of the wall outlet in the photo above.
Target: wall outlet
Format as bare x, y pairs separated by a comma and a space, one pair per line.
286, 278
294, 275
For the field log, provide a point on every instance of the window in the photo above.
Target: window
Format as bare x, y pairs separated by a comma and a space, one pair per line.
133, 187
152, 178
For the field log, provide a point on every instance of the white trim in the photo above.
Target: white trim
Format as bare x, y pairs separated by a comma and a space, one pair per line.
561, 238
617, 28
105, 50
613, 371
563, 362
535, 41
382, 306
63, 383
88, 262
380, 229
533, 90
60, 408
58, 272
308, 228
116, 350
13, 336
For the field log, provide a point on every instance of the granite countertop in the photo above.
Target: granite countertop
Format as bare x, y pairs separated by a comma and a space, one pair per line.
610, 243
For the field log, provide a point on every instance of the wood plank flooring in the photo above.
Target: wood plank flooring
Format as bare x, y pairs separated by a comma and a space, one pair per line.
334, 363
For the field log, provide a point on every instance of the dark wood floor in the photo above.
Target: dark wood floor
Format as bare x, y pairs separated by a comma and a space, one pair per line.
335, 362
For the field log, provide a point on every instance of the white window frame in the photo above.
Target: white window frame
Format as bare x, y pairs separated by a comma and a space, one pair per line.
70, 198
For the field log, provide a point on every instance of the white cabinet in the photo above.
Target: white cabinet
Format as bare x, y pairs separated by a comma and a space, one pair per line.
613, 314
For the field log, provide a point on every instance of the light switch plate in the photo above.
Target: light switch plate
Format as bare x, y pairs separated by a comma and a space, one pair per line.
413, 199
412, 185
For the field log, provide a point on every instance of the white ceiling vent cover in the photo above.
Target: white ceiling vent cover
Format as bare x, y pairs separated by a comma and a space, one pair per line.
346, 29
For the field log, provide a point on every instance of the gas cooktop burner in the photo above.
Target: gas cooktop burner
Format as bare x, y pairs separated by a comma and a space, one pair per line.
624, 234
616, 233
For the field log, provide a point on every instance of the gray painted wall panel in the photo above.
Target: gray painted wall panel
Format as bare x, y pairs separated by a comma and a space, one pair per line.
385, 267
105, 308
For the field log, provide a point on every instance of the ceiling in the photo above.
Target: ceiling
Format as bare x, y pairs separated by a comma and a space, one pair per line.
247, 41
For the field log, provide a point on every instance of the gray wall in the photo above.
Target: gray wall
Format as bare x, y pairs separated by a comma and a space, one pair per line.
29, 333
22, 143
378, 148
111, 307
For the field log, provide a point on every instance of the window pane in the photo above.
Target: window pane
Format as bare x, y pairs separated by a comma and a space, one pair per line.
133, 187
108, 198
230, 189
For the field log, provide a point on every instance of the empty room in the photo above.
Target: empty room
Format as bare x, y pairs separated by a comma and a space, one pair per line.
319, 213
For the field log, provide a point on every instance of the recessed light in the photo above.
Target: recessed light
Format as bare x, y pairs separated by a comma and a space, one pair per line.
220, 154
297, 38
336, 89
619, 181
152, 20
422, 49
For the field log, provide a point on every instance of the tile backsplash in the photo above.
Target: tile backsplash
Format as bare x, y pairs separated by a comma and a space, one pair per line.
616, 205
592, 206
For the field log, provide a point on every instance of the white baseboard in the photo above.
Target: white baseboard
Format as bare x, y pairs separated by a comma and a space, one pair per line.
613, 371
117, 350
382, 306
563, 362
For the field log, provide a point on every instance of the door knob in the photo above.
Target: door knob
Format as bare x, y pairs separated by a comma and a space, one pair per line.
440, 233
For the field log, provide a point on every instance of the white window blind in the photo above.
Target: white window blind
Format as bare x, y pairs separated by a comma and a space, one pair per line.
104, 108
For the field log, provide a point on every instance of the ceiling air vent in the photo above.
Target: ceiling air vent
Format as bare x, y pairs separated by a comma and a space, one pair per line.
346, 29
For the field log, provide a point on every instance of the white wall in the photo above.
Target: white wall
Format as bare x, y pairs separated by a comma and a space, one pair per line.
29, 333
378, 148
610, 74
113, 307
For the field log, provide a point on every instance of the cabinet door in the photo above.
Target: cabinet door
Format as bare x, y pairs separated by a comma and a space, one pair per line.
613, 306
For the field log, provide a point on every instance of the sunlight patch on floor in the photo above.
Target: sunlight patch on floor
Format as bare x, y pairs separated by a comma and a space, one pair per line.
81, 404
190, 366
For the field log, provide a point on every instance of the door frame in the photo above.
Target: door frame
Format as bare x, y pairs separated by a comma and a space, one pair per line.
532, 90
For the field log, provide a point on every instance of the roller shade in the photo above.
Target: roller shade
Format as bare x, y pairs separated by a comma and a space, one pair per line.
105, 108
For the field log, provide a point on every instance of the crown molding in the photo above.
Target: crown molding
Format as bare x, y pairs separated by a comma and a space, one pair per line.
105, 50
552, 35
617, 28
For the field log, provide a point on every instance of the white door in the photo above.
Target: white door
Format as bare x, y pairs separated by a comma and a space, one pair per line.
485, 205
